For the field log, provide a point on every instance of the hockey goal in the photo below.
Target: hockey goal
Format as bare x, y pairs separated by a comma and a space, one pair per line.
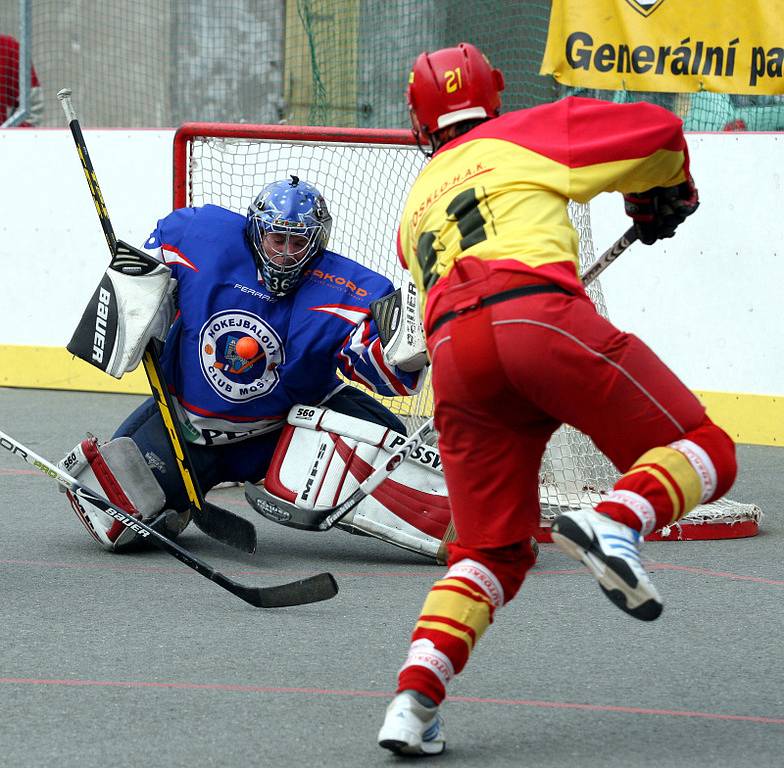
364, 175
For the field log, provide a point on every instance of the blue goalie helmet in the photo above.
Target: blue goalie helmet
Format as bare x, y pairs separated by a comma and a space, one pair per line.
288, 226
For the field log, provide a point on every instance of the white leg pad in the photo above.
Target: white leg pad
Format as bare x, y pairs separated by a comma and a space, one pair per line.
323, 456
118, 470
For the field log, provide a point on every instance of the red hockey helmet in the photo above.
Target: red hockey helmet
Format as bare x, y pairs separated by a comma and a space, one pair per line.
451, 85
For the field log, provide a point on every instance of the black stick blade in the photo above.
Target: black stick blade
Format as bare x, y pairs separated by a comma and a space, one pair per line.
311, 590
226, 527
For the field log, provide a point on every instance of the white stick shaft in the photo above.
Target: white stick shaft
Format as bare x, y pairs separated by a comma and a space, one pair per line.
16, 448
65, 100
372, 481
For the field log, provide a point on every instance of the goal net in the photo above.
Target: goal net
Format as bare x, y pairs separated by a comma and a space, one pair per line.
365, 174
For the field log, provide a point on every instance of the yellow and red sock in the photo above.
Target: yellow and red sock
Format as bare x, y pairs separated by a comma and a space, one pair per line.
667, 482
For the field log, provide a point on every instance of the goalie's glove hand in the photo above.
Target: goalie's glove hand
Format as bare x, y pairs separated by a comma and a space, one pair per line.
659, 211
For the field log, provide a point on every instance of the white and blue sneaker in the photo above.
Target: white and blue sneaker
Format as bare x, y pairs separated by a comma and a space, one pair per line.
411, 728
611, 551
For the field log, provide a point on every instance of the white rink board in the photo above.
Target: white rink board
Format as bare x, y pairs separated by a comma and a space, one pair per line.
707, 301
52, 248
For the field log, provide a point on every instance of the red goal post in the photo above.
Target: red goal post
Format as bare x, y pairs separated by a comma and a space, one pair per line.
365, 175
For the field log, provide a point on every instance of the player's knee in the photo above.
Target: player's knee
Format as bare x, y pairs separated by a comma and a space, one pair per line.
507, 565
715, 461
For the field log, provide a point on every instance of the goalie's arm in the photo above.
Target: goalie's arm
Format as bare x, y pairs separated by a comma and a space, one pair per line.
362, 358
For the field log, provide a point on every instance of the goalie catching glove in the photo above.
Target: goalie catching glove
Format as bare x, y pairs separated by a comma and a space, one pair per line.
132, 304
400, 328
659, 211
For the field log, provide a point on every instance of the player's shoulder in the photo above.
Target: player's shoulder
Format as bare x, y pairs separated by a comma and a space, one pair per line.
520, 122
206, 218
356, 281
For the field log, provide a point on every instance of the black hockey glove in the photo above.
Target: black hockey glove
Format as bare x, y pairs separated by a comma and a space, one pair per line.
658, 211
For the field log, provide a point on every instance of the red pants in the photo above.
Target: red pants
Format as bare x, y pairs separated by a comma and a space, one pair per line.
506, 376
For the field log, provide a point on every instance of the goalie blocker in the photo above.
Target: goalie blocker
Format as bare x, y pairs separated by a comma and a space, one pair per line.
400, 327
321, 458
132, 304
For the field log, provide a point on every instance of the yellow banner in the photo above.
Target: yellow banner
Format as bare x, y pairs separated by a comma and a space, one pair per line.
725, 46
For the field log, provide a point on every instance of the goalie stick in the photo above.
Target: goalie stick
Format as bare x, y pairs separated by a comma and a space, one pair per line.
310, 590
285, 513
216, 522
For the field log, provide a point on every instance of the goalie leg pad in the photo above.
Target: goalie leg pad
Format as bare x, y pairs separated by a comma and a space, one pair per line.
322, 457
116, 469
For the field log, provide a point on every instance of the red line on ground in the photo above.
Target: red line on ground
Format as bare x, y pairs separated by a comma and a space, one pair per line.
19, 472
721, 574
149, 568
431, 574
232, 688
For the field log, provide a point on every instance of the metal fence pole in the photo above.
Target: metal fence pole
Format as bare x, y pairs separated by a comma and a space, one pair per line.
25, 64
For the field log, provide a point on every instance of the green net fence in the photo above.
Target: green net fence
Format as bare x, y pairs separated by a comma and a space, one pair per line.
159, 63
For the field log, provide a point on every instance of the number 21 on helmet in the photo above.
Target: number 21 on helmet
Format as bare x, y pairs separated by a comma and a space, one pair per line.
449, 86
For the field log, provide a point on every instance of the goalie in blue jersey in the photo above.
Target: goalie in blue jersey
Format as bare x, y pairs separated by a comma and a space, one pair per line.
258, 317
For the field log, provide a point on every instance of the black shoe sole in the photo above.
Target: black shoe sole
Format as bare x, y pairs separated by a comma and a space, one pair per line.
650, 610
398, 746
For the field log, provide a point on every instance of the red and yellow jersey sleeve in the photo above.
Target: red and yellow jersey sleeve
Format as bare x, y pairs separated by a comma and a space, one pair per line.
501, 191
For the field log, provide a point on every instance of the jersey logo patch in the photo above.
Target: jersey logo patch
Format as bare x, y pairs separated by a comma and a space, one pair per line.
240, 354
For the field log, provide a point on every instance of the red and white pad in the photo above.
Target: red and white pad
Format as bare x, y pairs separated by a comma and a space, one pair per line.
117, 469
322, 456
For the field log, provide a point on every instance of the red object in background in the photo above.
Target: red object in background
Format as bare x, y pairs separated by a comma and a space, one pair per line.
735, 125
9, 78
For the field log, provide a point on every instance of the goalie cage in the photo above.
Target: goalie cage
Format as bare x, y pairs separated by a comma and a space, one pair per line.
364, 175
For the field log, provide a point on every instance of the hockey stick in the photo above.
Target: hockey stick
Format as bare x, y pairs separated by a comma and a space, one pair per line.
289, 514
609, 256
216, 522
310, 590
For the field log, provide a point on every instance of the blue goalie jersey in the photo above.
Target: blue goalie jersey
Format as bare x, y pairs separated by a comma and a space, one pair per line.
237, 357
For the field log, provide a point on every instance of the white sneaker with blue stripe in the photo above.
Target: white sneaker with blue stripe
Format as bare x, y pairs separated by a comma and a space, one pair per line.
611, 551
410, 728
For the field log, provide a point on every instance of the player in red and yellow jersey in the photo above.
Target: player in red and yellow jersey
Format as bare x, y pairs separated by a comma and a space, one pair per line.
518, 349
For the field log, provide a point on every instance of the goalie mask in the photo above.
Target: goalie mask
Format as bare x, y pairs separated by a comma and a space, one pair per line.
449, 86
288, 226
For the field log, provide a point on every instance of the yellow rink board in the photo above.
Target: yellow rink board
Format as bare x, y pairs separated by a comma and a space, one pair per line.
752, 419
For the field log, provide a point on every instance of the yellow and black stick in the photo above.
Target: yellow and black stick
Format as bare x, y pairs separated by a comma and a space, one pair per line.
216, 522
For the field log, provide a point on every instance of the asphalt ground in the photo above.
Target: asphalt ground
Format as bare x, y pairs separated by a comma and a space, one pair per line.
136, 660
